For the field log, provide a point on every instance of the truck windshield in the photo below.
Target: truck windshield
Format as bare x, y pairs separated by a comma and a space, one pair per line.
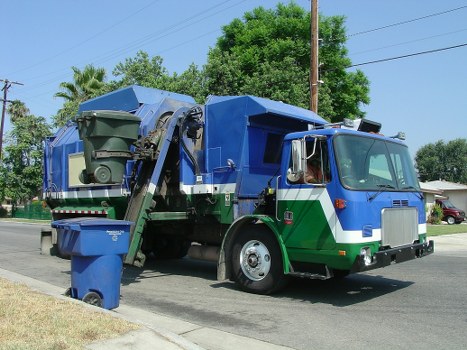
370, 164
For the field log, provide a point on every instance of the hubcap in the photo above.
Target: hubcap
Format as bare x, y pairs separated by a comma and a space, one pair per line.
255, 260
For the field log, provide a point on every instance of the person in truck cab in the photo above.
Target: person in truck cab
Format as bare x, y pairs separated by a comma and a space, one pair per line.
313, 173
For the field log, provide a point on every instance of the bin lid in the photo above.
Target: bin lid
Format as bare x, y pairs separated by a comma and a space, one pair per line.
89, 221
120, 115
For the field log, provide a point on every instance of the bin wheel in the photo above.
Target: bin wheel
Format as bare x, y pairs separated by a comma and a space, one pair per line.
93, 298
102, 174
84, 177
67, 292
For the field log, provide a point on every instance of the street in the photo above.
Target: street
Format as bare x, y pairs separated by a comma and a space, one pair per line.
417, 304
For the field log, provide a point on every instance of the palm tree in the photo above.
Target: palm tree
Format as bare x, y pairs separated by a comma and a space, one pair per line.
17, 109
87, 84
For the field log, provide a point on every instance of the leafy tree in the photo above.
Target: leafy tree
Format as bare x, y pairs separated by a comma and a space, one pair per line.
268, 54
87, 83
141, 70
191, 82
443, 161
21, 169
145, 71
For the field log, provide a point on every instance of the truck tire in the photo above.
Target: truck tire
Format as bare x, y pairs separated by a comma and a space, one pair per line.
257, 261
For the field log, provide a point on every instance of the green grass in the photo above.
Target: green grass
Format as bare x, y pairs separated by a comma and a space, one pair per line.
438, 230
31, 221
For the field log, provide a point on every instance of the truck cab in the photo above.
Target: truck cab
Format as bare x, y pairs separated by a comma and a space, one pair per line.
362, 209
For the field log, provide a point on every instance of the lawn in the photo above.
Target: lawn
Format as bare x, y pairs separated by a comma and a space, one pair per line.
33, 321
438, 230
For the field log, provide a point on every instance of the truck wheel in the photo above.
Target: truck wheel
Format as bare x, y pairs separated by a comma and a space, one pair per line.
450, 220
257, 261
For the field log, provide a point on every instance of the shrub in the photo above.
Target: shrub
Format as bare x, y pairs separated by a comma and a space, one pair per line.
436, 215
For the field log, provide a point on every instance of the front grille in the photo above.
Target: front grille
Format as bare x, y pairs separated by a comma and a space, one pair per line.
399, 226
398, 203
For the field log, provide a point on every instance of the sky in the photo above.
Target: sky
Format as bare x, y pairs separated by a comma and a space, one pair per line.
424, 95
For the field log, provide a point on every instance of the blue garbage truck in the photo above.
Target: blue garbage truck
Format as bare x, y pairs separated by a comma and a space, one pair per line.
266, 189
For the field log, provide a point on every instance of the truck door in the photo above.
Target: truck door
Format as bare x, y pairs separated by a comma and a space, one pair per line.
304, 209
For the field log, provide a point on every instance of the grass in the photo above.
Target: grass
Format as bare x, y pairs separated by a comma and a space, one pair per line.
31, 320
438, 230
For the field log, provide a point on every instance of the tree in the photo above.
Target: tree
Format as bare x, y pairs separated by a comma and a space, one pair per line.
21, 169
86, 84
191, 82
149, 72
268, 54
141, 70
443, 161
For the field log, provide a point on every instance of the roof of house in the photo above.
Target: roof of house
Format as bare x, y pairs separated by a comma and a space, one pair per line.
446, 185
427, 188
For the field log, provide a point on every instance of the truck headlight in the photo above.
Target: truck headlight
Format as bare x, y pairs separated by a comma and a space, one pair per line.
365, 253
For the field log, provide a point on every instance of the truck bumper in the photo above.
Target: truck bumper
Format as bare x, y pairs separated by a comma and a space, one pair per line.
392, 256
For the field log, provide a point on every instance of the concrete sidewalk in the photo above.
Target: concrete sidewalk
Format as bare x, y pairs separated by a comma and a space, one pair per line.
157, 331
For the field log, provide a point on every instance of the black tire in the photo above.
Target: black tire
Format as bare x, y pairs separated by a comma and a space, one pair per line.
450, 220
262, 270
93, 298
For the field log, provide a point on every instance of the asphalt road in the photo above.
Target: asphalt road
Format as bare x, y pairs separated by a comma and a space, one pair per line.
418, 304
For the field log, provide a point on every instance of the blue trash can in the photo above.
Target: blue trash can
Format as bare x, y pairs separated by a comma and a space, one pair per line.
96, 247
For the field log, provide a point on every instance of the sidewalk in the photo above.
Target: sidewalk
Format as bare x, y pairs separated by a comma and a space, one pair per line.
157, 331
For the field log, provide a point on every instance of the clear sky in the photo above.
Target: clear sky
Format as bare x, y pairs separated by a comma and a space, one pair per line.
423, 95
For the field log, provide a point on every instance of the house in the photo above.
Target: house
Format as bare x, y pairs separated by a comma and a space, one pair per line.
455, 192
7, 205
429, 193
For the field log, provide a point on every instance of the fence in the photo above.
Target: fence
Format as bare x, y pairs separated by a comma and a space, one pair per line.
34, 210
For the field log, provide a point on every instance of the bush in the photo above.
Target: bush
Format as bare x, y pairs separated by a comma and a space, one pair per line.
3, 212
436, 215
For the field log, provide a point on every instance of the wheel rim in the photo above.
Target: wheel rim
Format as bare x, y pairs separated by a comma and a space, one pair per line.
255, 260
451, 220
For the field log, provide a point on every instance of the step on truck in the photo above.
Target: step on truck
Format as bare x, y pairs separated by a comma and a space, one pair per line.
265, 189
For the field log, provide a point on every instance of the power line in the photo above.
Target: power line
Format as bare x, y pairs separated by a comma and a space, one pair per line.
407, 21
409, 42
405, 56
88, 39
150, 37
166, 32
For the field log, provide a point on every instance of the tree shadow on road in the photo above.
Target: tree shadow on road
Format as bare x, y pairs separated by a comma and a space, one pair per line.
343, 292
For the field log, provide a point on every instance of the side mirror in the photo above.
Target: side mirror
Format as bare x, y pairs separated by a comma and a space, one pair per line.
296, 172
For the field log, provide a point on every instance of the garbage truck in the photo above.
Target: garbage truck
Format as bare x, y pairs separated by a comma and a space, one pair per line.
266, 189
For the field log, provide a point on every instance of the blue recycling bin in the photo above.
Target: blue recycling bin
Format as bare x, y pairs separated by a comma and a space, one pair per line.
96, 247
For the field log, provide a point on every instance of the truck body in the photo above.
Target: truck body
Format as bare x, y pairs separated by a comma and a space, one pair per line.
227, 181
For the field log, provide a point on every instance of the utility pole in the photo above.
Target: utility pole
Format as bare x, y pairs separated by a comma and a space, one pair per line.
314, 56
6, 85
